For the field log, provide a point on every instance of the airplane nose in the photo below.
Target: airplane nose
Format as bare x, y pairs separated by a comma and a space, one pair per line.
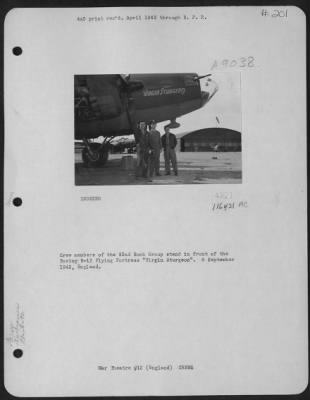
204, 97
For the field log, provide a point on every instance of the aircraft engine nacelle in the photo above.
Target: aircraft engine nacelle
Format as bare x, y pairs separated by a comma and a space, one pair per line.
97, 98
106, 107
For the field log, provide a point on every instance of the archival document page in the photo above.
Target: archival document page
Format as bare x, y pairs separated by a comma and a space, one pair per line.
155, 201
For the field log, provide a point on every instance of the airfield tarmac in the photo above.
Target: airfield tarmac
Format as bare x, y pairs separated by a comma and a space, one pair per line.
193, 168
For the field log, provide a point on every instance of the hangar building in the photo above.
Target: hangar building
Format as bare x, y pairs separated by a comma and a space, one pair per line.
210, 139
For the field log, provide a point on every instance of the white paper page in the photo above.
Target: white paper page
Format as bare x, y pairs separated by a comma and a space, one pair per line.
226, 312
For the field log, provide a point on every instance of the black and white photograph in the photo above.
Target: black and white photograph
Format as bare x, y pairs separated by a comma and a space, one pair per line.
167, 128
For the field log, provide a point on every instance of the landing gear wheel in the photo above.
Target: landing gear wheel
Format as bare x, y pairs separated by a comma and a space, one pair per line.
97, 156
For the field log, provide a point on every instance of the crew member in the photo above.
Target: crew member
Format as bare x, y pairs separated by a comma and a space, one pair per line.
155, 149
143, 149
169, 142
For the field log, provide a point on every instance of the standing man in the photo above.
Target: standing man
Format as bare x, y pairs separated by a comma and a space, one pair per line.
169, 142
155, 149
143, 149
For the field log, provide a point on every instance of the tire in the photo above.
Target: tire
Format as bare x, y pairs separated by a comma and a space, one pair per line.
99, 156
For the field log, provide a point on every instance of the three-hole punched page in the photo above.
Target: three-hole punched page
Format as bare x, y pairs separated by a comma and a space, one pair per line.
155, 219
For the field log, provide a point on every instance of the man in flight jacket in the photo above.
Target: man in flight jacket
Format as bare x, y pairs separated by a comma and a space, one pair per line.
169, 143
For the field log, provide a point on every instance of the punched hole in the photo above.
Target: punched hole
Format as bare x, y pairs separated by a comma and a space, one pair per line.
18, 353
17, 51
17, 201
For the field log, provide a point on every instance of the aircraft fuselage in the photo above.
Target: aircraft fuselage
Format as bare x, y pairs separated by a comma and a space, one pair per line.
111, 105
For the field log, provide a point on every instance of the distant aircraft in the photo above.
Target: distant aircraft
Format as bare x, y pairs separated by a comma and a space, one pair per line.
113, 105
